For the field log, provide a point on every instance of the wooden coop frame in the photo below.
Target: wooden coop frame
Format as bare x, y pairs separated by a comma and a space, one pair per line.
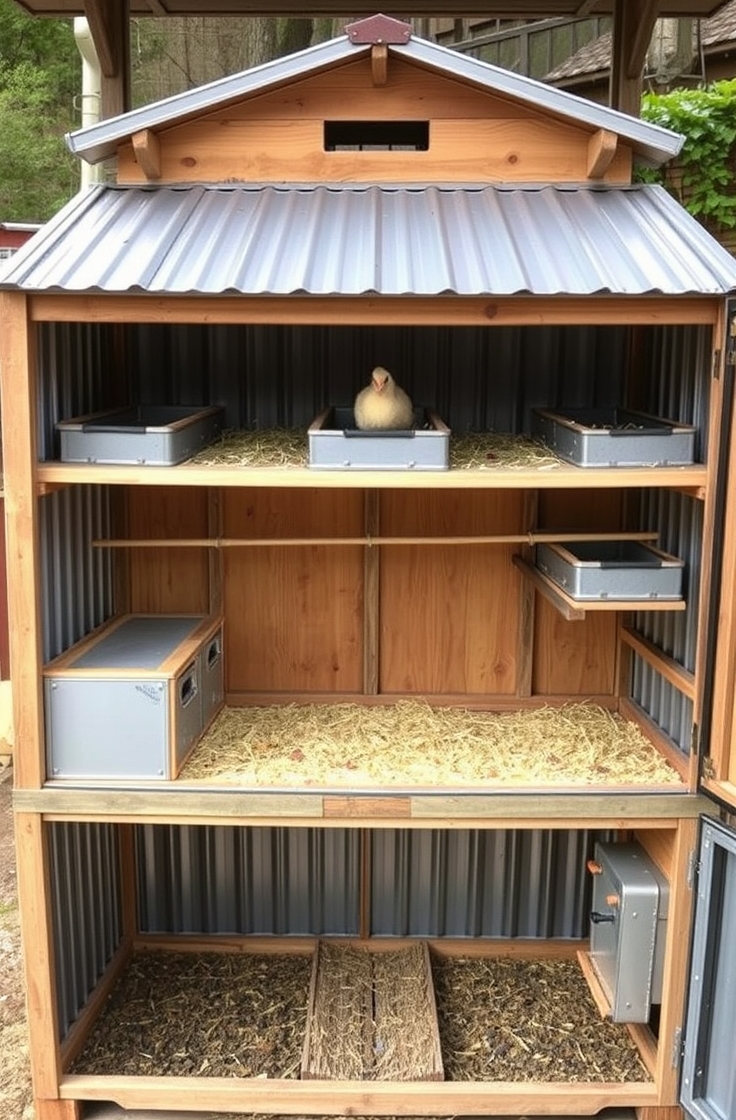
200, 499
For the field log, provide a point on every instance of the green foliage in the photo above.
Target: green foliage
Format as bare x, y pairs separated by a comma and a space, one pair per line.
40, 74
707, 119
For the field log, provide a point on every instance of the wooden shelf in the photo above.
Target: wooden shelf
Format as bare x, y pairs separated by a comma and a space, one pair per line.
172, 802
690, 479
575, 609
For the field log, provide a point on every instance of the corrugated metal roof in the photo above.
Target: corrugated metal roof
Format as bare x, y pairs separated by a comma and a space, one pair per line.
99, 141
385, 240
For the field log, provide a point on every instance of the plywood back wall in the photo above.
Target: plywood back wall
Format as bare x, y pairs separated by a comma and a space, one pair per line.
168, 580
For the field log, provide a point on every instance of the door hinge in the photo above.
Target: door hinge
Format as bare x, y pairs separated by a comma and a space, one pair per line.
708, 770
694, 738
678, 1048
693, 870
717, 355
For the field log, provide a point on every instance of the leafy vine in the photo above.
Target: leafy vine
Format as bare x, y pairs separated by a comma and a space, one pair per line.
703, 175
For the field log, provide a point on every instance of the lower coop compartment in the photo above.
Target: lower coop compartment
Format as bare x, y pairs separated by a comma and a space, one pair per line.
394, 971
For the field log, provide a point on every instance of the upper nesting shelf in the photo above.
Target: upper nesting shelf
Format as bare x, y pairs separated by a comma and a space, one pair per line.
692, 478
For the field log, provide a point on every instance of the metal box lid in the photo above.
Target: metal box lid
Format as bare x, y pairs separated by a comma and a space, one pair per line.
141, 642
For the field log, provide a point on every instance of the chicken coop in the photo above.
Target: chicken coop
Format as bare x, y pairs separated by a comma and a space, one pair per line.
344, 758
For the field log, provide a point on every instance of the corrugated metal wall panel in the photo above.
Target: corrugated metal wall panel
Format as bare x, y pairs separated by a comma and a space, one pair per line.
81, 366
269, 881
678, 370
272, 376
495, 883
86, 904
289, 881
678, 520
76, 579
284, 376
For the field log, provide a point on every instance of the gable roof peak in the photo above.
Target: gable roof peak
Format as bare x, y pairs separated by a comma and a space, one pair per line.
379, 29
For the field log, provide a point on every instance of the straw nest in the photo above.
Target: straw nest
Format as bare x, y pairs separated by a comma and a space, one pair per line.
413, 744
203, 1015
527, 1020
373, 1017
288, 448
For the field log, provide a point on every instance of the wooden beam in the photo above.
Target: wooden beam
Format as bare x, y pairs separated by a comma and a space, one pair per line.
633, 24
18, 386
601, 150
109, 24
379, 64
662, 663
34, 895
378, 310
147, 148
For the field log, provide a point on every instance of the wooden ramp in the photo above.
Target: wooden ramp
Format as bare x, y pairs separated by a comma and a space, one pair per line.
372, 1016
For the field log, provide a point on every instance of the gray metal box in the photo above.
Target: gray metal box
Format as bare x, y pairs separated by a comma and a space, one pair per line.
335, 443
615, 437
127, 702
211, 677
628, 929
625, 570
157, 436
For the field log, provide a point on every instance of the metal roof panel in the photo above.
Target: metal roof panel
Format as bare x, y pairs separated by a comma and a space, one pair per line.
367, 239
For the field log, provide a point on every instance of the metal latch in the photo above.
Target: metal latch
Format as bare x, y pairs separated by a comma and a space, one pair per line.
678, 1048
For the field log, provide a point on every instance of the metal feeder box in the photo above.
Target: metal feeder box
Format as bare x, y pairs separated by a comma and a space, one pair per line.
625, 570
628, 929
336, 444
157, 436
131, 700
615, 437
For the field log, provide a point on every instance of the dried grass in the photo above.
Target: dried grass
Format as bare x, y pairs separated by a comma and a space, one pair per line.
275, 447
203, 1015
288, 447
413, 744
527, 1020
373, 1018
499, 450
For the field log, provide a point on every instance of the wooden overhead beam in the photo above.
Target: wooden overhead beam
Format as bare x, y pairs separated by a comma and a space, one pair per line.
633, 24
109, 24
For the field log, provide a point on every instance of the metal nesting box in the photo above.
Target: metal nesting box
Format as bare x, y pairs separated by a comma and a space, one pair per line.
131, 700
335, 443
625, 570
615, 437
628, 929
154, 435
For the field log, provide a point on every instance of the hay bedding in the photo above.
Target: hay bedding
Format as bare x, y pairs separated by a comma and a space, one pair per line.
288, 448
527, 1020
373, 1017
412, 744
203, 1015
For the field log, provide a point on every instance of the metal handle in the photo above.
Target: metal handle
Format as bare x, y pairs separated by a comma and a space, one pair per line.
599, 919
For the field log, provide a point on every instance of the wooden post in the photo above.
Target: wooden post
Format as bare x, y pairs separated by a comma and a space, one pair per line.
633, 24
58, 1110
18, 386
109, 24
34, 894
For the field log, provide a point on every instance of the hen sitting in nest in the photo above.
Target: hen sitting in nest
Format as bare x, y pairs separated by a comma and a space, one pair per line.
383, 404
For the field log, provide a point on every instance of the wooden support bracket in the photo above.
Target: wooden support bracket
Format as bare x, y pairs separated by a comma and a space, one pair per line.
147, 149
601, 150
379, 64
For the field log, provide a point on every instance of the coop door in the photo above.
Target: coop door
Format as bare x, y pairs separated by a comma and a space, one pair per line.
708, 1090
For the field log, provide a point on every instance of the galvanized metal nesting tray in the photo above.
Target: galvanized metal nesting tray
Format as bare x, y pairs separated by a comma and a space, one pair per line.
615, 437
154, 435
335, 443
625, 570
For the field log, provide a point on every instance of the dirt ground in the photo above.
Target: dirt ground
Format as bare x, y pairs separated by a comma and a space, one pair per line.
15, 1083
